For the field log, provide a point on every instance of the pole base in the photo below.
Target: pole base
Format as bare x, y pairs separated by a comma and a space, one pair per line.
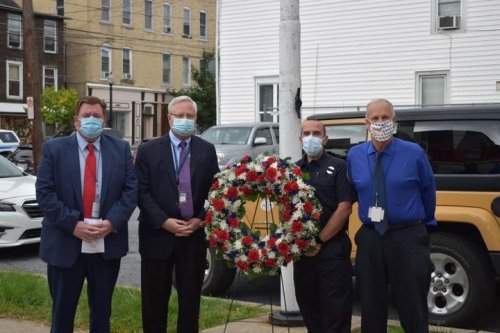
287, 319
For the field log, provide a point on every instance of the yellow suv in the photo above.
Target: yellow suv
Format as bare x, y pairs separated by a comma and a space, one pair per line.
463, 146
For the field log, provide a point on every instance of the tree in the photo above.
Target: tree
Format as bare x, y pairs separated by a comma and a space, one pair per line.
58, 107
202, 91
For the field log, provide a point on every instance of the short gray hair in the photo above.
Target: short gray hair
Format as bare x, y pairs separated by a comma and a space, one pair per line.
179, 99
380, 100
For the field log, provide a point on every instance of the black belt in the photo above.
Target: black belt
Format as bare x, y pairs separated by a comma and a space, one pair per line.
397, 226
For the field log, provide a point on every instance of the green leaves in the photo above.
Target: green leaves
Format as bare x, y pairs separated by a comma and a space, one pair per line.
58, 106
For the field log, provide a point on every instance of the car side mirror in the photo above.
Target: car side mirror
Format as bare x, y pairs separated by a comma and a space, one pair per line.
259, 141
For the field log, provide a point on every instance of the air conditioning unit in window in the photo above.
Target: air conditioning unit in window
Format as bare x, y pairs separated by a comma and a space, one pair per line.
148, 110
105, 75
449, 22
127, 76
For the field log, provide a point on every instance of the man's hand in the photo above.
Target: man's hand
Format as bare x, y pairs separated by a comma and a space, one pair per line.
87, 232
93, 232
179, 228
315, 252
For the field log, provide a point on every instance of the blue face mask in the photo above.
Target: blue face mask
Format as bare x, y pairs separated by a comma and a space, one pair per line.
312, 145
183, 126
91, 127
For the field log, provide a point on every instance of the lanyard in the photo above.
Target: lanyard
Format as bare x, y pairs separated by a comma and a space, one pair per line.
178, 167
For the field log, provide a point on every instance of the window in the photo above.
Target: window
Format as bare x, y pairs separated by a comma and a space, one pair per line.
267, 99
127, 64
449, 14
186, 71
186, 25
458, 146
121, 122
167, 69
50, 36
266, 134
49, 77
14, 79
342, 137
148, 14
432, 88
203, 25
106, 10
105, 61
127, 12
276, 131
15, 31
60, 7
167, 18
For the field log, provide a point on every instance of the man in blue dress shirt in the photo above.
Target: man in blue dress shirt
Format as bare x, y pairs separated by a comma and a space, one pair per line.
397, 200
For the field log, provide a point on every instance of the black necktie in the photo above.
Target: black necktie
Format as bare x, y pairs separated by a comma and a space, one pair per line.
378, 180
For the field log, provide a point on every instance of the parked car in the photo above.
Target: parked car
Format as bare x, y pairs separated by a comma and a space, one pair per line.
463, 147
9, 141
23, 158
233, 141
20, 216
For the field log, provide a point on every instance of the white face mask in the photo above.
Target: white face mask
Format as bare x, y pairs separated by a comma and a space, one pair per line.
382, 131
312, 145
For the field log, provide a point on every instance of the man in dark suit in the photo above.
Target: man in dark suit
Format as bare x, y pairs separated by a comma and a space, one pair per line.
87, 189
175, 173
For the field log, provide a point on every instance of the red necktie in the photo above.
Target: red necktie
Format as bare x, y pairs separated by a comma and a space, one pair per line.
89, 182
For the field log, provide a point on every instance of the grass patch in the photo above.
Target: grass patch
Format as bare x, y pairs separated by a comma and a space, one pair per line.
25, 296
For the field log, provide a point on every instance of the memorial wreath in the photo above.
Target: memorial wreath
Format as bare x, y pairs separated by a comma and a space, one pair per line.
270, 178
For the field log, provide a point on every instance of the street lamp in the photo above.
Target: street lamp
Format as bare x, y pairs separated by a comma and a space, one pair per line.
110, 117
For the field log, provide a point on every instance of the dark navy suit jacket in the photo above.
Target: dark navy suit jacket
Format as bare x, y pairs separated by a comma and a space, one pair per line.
59, 194
159, 195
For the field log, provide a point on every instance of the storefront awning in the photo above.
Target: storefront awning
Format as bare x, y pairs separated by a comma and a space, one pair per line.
13, 108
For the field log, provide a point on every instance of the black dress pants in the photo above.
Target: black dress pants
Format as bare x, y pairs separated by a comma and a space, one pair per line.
323, 287
188, 259
400, 259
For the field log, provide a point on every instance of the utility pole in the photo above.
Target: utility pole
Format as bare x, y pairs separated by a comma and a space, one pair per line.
32, 80
290, 128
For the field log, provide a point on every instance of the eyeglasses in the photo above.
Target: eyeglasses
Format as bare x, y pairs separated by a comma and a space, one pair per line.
179, 116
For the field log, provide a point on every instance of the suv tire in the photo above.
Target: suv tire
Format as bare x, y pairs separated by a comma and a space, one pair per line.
462, 281
218, 275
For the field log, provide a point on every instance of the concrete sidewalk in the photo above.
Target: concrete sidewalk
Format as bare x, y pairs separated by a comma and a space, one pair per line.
252, 325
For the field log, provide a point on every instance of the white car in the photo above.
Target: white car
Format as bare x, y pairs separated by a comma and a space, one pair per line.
20, 216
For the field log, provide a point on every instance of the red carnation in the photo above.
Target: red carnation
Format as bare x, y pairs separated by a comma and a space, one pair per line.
252, 176
242, 265
316, 216
208, 218
212, 242
291, 187
261, 179
271, 174
215, 185
246, 190
253, 255
232, 192
302, 244
271, 160
287, 259
271, 242
283, 248
242, 168
286, 215
246, 159
263, 251
308, 207
223, 236
218, 204
270, 262
297, 227
247, 240
298, 172
233, 222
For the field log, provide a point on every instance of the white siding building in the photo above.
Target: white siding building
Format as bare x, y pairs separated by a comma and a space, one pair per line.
410, 52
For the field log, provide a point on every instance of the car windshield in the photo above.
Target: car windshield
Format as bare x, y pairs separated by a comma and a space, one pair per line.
227, 135
8, 169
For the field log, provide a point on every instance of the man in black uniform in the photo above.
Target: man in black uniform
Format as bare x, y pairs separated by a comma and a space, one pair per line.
323, 279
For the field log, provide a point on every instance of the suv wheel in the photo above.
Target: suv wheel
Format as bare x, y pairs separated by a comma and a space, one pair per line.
462, 282
218, 276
